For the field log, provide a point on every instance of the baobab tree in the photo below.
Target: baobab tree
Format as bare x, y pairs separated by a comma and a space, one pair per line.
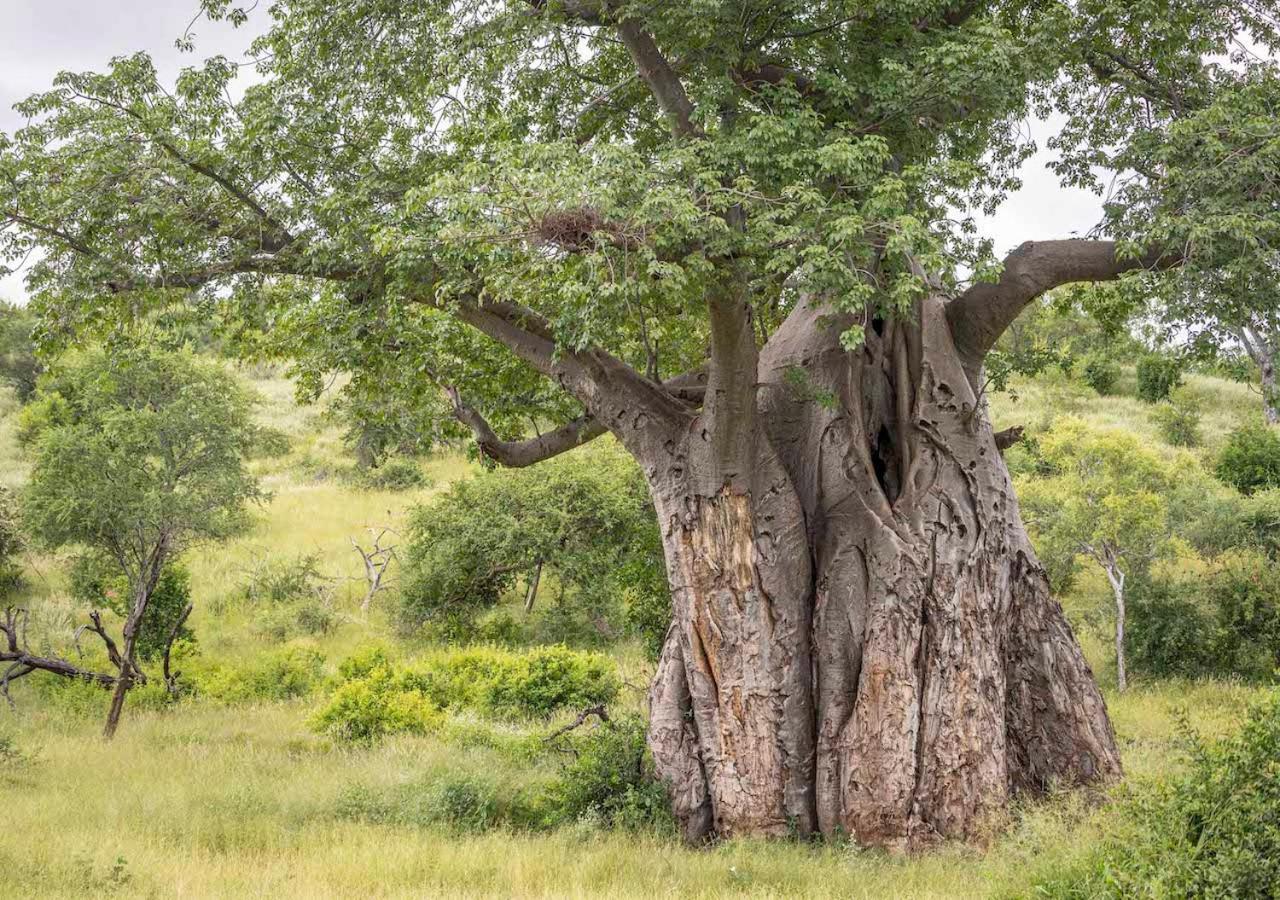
731, 234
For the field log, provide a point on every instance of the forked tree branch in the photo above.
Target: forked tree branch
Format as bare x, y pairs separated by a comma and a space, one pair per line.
982, 313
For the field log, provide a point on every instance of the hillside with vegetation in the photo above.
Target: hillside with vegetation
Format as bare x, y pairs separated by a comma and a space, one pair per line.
455, 736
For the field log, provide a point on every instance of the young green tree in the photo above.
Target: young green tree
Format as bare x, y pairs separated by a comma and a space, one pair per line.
138, 455
586, 518
726, 232
1106, 500
18, 364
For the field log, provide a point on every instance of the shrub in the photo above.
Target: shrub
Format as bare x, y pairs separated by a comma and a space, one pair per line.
1224, 623
269, 443
374, 698
279, 581
10, 543
1158, 375
1178, 419
1250, 459
1257, 523
1214, 832
374, 705
1101, 373
611, 777
284, 674
303, 617
586, 518
399, 473
464, 802
97, 581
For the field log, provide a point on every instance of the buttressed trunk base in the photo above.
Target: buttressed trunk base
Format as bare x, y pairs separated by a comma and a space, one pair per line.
863, 640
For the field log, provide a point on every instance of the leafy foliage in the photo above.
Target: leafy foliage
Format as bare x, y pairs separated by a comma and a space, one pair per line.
1178, 419
287, 673
374, 697
19, 367
611, 778
11, 543
1158, 375
1224, 623
97, 581
138, 451
1101, 373
1214, 832
1106, 497
586, 517
1250, 459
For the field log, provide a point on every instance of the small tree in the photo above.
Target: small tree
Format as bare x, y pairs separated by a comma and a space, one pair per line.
138, 455
1104, 500
19, 367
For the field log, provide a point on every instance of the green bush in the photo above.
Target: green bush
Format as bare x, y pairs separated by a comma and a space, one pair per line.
1158, 375
269, 443
1250, 459
96, 581
1213, 833
611, 778
586, 518
1224, 623
399, 473
309, 617
460, 802
1178, 419
373, 697
1257, 523
10, 543
278, 581
284, 674
1101, 373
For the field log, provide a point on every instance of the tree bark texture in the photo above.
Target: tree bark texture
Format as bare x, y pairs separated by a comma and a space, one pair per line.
863, 641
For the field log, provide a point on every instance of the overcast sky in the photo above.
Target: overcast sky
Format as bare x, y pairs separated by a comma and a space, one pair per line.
39, 38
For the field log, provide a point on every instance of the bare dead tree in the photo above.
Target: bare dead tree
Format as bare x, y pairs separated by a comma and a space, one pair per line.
376, 562
20, 661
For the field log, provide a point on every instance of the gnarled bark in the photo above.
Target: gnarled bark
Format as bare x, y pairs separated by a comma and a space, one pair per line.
863, 640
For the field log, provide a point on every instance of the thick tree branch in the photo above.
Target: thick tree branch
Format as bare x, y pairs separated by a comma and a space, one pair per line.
982, 313
22, 661
522, 453
661, 78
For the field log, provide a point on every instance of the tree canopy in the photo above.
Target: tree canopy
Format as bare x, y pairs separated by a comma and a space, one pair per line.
574, 175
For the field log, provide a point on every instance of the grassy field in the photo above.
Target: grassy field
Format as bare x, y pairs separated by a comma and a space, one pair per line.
212, 800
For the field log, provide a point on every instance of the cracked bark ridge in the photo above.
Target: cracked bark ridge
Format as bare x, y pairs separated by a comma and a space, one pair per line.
864, 642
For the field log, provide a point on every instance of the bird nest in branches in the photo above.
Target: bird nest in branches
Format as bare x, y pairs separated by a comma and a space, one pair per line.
581, 229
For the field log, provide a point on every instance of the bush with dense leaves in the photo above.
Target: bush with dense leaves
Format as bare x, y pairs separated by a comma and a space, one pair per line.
284, 674
269, 443
1223, 623
399, 473
586, 518
19, 367
611, 778
374, 697
1158, 375
1178, 419
1250, 459
1212, 833
1101, 373
10, 543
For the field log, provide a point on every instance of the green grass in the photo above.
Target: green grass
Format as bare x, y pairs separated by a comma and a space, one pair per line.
205, 799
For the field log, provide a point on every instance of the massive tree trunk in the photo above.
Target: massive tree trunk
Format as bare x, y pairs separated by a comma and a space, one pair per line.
863, 640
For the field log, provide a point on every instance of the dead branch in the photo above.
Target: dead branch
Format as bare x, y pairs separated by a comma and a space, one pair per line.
171, 678
376, 562
599, 711
23, 662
